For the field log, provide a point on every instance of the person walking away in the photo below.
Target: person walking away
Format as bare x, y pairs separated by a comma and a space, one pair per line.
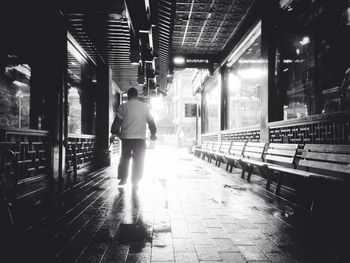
130, 126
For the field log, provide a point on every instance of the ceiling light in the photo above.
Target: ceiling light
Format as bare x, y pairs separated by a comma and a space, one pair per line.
179, 60
304, 41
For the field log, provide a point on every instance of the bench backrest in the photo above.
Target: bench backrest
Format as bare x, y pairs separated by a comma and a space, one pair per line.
254, 150
210, 145
204, 145
237, 148
225, 147
216, 146
326, 157
281, 153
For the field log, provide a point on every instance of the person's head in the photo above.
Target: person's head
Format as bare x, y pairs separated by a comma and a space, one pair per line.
132, 93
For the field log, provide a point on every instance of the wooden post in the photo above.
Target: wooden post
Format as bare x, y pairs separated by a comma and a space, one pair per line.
104, 112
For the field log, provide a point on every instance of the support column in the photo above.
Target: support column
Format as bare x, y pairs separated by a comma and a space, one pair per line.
223, 110
104, 115
56, 93
269, 103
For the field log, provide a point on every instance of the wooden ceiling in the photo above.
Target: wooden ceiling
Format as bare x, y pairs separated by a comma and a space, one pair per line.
204, 27
109, 29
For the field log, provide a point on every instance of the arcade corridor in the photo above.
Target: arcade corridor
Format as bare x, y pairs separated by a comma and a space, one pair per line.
186, 210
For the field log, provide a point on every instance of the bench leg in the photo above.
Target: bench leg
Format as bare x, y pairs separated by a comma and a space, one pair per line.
243, 172
249, 173
268, 178
279, 183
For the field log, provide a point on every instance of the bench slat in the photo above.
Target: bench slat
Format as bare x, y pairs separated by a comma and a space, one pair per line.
328, 148
252, 154
343, 168
286, 146
236, 152
281, 152
253, 149
326, 156
303, 173
282, 159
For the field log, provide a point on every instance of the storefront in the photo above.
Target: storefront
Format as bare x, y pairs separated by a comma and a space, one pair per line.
287, 78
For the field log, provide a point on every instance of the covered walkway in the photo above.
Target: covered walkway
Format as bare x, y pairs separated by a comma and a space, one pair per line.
186, 210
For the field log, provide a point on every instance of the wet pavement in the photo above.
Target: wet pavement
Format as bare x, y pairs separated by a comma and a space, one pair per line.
186, 210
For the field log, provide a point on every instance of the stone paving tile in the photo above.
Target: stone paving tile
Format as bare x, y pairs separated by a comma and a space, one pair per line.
197, 228
211, 222
240, 240
252, 253
207, 252
180, 233
279, 257
225, 245
202, 239
186, 257
217, 232
229, 257
183, 245
162, 239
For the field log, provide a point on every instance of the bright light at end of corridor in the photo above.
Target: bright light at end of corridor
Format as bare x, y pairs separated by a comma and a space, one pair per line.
156, 103
157, 107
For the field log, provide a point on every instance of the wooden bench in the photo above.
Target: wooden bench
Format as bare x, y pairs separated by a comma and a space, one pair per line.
207, 150
213, 153
224, 150
235, 155
318, 163
253, 158
279, 156
198, 150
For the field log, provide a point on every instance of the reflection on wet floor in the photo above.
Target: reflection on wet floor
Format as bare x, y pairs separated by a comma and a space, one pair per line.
186, 210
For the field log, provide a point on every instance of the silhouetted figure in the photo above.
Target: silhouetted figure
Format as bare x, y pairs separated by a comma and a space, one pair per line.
130, 126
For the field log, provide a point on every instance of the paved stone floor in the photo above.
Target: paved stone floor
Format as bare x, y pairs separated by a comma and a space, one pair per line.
186, 210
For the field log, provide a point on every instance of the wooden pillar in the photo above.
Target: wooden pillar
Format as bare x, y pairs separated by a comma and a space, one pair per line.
104, 115
202, 112
56, 95
269, 102
223, 110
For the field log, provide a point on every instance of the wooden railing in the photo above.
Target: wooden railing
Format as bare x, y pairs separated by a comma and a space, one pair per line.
80, 151
32, 151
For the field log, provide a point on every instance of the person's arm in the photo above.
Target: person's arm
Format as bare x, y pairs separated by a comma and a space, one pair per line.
151, 125
115, 129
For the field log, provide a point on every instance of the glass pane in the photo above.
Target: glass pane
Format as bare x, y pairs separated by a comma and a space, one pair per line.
15, 94
312, 59
297, 63
74, 93
81, 84
212, 105
244, 84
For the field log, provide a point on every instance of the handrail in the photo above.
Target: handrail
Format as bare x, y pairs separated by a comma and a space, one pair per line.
24, 131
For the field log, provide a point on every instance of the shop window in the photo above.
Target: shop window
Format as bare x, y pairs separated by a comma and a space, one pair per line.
313, 59
245, 73
14, 92
211, 96
81, 82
